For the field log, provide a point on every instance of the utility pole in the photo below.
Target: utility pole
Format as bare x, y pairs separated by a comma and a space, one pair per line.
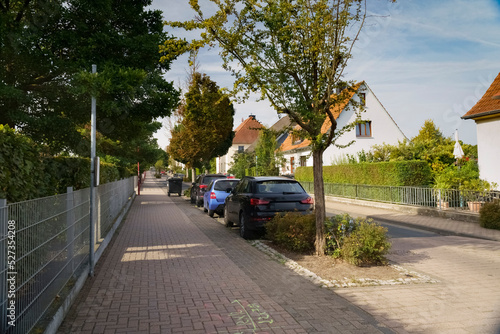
92, 179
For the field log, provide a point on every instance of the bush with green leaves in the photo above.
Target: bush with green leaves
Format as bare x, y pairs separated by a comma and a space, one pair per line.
357, 241
292, 231
489, 215
393, 173
337, 228
366, 245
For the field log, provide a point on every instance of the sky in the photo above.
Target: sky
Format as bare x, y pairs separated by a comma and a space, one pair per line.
423, 59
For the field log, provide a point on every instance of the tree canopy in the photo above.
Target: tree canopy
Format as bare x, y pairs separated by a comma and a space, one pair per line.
294, 53
47, 48
205, 131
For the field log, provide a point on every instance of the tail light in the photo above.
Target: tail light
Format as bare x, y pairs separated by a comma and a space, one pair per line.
203, 186
258, 201
212, 195
308, 200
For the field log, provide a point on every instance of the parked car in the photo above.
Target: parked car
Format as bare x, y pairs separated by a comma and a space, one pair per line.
214, 197
200, 186
255, 200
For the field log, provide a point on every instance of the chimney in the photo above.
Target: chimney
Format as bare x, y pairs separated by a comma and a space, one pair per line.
251, 116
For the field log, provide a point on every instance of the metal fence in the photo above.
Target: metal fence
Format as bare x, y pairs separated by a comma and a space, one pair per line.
417, 196
45, 247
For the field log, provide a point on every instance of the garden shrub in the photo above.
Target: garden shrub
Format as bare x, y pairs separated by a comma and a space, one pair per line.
366, 245
393, 173
489, 215
336, 229
357, 241
292, 231
21, 167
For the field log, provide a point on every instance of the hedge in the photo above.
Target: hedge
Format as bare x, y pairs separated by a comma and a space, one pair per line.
25, 173
393, 173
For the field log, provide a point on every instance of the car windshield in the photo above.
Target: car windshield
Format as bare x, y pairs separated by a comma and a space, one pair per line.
277, 187
223, 185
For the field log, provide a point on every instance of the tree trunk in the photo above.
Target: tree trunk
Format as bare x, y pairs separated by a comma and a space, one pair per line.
319, 202
193, 175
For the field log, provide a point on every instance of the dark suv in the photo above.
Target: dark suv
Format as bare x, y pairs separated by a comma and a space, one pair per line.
200, 186
255, 200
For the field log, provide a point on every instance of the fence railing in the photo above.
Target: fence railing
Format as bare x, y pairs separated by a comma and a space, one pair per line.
417, 196
44, 246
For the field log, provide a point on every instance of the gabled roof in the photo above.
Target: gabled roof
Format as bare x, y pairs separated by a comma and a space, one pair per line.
247, 132
288, 144
487, 105
281, 124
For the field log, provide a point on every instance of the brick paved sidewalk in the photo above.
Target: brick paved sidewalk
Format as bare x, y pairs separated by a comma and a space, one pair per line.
173, 269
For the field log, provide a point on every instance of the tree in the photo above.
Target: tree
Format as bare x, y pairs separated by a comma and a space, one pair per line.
294, 53
47, 48
205, 131
242, 162
268, 158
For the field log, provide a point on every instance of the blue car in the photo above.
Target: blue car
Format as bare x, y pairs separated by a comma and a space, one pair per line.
215, 195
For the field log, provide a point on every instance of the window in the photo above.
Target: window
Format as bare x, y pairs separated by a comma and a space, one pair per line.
241, 149
303, 161
362, 97
364, 129
296, 139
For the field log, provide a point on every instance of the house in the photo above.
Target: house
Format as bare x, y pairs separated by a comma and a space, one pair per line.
245, 135
486, 114
378, 129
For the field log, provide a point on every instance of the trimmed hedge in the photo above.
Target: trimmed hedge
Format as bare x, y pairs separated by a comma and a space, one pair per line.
25, 173
489, 215
393, 173
21, 167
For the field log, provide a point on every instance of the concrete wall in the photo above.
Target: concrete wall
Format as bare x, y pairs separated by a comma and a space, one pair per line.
488, 137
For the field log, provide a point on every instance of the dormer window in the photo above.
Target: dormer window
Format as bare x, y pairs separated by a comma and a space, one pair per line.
296, 140
364, 129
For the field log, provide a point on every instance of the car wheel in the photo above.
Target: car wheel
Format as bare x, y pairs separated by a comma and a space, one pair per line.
211, 212
244, 233
227, 222
192, 200
199, 203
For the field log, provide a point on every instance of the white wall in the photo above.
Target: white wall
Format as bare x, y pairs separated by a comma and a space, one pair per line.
224, 162
488, 137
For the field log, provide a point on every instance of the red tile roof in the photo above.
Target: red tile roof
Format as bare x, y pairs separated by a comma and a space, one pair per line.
487, 105
247, 132
336, 110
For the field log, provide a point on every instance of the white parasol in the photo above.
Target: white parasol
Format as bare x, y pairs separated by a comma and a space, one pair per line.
457, 151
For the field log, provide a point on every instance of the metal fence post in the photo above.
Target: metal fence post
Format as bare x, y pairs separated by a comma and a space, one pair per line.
70, 225
3, 264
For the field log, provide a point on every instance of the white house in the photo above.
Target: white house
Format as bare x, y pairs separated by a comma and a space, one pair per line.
486, 114
245, 135
378, 129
